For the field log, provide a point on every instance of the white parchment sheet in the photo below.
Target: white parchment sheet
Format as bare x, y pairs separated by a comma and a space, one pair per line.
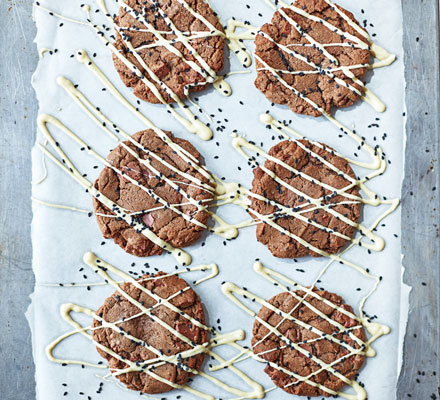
60, 237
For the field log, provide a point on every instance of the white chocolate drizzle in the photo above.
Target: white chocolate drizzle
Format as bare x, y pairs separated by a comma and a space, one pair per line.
236, 39
44, 172
43, 51
231, 290
191, 122
243, 196
225, 193
384, 57
113, 131
375, 330
67, 166
232, 193
106, 271
60, 206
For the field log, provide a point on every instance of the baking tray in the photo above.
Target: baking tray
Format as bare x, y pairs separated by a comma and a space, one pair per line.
420, 198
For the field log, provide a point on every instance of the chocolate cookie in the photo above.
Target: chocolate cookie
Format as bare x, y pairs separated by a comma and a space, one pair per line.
136, 339
318, 337
144, 206
298, 49
323, 229
171, 69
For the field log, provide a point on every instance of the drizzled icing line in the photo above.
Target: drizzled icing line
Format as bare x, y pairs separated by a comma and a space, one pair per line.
84, 59
150, 167
384, 57
114, 131
376, 330
192, 123
189, 120
67, 166
206, 267
98, 117
333, 120
369, 97
236, 194
104, 269
226, 194
235, 40
376, 51
44, 172
60, 206
310, 203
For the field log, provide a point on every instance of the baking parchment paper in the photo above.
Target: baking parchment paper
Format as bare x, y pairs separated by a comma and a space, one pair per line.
60, 237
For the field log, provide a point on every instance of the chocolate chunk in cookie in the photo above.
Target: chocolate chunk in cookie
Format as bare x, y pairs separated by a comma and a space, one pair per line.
321, 228
146, 29
138, 337
311, 335
313, 61
151, 198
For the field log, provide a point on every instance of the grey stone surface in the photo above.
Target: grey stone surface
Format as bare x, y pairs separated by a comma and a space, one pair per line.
18, 110
420, 375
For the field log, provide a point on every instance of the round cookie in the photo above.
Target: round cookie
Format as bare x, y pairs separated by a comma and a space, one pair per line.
268, 345
168, 67
164, 222
300, 159
118, 308
319, 87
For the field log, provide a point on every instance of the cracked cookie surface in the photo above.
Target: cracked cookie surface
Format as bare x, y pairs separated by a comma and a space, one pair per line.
163, 221
290, 153
272, 348
169, 68
117, 307
318, 87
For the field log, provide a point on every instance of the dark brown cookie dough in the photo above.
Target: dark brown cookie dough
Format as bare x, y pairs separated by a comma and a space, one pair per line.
292, 154
165, 223
320, 88
326, 350
170, 68
117, 307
